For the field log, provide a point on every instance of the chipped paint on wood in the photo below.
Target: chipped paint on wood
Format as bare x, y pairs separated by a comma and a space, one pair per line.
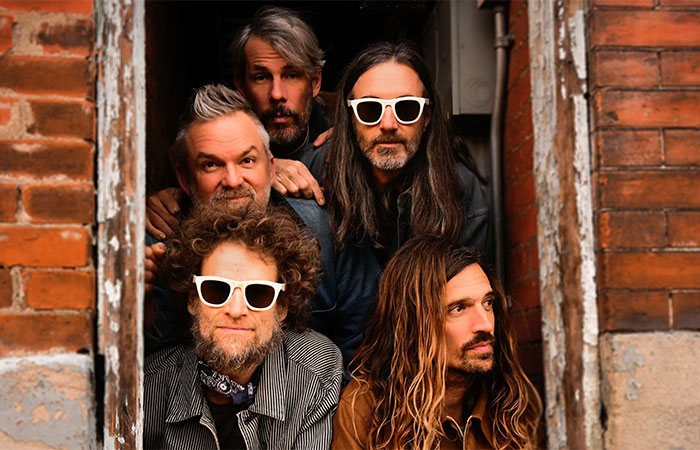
565, 231
121, 218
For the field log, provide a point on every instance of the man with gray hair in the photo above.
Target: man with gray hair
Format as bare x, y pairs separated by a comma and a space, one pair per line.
278, 65
221, 153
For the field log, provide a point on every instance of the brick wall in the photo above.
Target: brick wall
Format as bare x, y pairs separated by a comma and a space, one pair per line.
644, 75
519, 191
47, 213
645, 121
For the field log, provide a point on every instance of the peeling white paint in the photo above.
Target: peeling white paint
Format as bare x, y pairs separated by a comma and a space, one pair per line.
114, 244
577, 31
113, 292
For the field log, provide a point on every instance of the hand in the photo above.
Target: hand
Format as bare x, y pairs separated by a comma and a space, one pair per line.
292, 178
153, 254
323, 137
162, 209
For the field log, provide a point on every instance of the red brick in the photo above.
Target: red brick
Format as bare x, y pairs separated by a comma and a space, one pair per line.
518, 128
60, 202
638, 3
625, 69
629, 148
74, 38
5, 288
8, 202
650, 270
63, 6
519, 195
519, 61
638, 311
5, 115
645, 28
528, 326
647, 109
684, 229
650, 189
521, 262
526, 293
686, 310
680, 68
37, 246
518, 96
62, 119
519, 161
678, 3
530, 357
48, 76
5, 33
59, 289
682, 147
631, 230
43, 159
43, 333
522, 227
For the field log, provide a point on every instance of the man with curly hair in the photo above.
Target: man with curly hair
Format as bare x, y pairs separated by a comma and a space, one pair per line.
248, 374
439, 365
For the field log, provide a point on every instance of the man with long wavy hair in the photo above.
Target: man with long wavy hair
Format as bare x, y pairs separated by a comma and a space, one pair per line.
439, 366
390, 171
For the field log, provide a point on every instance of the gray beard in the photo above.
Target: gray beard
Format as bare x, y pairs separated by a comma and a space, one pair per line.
223, 362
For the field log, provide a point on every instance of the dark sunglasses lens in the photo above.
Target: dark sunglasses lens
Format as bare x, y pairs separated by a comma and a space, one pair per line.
215, 292
369, 111
407, 110
259, 295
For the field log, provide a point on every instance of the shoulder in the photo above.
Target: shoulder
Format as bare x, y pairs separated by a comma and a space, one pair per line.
353, 417
473, 193
163, 361
315, 354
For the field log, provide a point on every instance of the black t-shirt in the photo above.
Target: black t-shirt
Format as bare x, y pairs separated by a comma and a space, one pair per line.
227, 430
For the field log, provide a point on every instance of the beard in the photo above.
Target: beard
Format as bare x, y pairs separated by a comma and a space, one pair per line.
384, 158
230, 355
476, 363
284, 135
222, 200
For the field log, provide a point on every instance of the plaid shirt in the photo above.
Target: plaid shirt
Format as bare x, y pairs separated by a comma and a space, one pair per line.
293, 408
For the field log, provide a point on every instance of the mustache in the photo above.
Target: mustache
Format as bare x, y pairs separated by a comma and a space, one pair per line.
278, 111
480, 338
385, 138
233, 194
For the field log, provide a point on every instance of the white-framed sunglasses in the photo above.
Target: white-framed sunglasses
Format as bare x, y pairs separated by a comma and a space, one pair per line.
370, 110
259, 295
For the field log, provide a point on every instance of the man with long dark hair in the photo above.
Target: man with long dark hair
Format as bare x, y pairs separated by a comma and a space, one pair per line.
439, 364
391, 172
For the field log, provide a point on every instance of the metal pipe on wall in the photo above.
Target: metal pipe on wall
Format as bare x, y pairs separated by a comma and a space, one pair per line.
501, 42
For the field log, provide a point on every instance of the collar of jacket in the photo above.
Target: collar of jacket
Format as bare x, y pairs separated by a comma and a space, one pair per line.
188, 400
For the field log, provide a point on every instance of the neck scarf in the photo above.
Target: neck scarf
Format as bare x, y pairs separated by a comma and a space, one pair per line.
241, 396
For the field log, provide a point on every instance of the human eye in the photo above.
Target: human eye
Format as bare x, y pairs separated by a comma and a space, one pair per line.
208, 165
456, 308
248, 161
259, 77
488, 303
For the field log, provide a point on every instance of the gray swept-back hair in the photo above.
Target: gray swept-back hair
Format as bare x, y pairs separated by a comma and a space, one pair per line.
287, 33
207, 104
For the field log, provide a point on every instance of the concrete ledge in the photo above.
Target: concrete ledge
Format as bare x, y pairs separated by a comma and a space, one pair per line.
650, 390
47, 402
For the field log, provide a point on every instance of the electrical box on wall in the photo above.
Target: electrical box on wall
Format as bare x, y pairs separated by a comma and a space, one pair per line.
458, 45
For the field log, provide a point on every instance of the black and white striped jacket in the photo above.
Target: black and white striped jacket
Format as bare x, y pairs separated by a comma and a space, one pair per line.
293, 408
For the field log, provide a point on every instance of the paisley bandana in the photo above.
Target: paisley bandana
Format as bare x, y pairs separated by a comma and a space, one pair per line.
242, 396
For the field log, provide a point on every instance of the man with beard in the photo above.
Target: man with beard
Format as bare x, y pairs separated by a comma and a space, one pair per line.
390, 171
277, 63
221, 155
250, 375
439, 366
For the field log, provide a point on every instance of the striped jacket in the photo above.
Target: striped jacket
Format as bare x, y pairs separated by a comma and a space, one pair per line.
293, 408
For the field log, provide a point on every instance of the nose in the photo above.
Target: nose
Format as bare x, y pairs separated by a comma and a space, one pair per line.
482, 320
277, 92
236, 306
388, 121
231, 178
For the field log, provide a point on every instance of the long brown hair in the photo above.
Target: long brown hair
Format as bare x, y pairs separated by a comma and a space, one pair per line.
403, 359
431, 177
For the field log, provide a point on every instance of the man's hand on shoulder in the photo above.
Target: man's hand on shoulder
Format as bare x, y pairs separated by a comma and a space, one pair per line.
323, 137
292, 178
162, 210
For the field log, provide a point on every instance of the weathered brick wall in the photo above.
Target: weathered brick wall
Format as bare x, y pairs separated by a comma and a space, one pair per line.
644, 74
519, 191
47, 213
